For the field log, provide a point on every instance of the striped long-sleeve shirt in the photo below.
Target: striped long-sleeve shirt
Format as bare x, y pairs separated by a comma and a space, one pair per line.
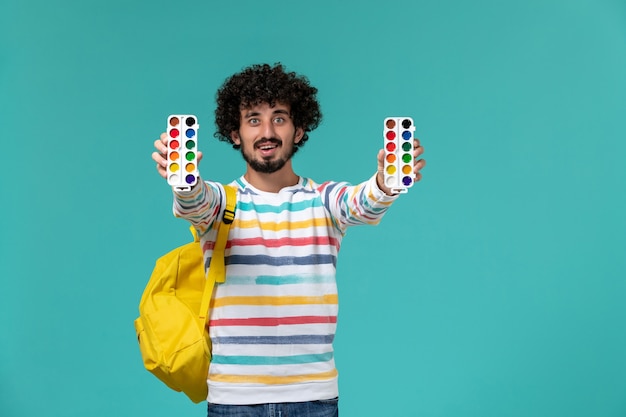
272, 323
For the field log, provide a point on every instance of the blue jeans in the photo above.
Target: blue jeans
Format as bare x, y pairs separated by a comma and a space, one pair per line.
322, 408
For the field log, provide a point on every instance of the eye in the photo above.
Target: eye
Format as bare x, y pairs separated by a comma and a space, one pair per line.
279, 120
253, 121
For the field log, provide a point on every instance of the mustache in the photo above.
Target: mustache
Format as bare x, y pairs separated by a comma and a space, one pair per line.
264, 141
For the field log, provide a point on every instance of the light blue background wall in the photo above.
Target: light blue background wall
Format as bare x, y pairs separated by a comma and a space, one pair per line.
494, 288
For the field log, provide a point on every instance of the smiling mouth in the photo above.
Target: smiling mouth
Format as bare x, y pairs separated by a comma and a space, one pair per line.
267, 146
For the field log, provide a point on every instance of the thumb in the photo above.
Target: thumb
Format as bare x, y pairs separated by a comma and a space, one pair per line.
379, 157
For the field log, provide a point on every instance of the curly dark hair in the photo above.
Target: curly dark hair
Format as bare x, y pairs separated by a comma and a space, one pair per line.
262, 83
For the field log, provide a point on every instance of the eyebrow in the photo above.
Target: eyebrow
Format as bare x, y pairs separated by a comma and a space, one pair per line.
256, 113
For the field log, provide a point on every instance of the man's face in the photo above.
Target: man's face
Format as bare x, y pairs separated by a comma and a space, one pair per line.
267, 136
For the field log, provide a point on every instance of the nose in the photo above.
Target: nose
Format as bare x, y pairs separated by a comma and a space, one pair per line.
268, 129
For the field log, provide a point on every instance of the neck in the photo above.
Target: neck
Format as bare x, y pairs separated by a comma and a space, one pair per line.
274, 182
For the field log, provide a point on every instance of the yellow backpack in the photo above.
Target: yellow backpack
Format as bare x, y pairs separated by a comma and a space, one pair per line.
172, 328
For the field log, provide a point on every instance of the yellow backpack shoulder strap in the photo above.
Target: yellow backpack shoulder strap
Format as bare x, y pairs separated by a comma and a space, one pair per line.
217, 270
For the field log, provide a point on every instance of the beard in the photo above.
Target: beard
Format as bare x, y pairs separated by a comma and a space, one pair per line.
268, 166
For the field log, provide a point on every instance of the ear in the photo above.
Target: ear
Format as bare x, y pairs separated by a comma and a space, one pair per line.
299, 135
234, 136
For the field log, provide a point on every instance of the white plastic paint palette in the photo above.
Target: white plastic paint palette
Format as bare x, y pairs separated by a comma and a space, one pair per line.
182, 151
398, 145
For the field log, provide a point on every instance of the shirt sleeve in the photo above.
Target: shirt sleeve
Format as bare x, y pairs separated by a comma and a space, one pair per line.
201, 205
351, 205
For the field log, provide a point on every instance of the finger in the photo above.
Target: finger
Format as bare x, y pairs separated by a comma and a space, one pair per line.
164, 139
159, 159
159, 155
379, 158
380, 180
160, 146
417, 167
161, 170
417, 148
200, 155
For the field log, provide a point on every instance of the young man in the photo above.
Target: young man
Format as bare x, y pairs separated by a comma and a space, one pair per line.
273, 321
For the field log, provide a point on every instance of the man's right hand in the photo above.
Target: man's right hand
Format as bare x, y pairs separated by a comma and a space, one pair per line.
161, 153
